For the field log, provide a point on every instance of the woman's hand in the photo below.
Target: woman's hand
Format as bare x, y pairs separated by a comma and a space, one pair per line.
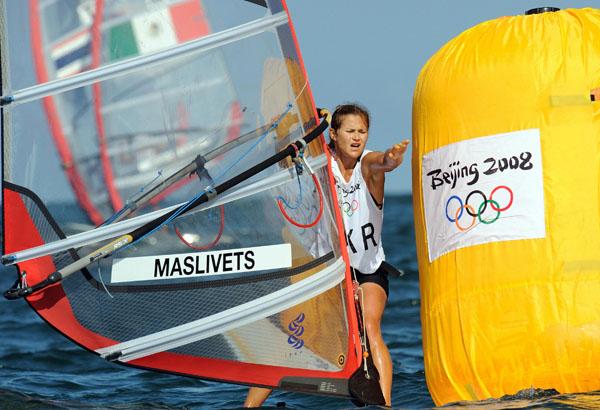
376, 164
393, 157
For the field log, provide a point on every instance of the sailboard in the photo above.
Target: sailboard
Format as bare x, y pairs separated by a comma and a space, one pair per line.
166, 196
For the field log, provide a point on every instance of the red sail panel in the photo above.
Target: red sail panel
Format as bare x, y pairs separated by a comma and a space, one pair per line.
21, 232
54, 120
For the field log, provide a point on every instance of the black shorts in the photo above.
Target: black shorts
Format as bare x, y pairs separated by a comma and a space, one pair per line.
380, 277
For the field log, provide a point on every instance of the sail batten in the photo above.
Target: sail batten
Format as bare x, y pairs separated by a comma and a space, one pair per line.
144, 61
120, 228
229, 319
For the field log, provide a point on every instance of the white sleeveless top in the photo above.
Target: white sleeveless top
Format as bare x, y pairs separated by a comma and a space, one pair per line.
363, 219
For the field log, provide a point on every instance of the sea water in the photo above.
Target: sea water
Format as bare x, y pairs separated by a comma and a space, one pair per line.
40, 369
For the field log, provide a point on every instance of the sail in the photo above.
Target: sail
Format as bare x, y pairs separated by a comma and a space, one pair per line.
106, 157
159, 199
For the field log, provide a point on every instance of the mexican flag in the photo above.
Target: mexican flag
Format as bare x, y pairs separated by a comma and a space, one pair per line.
158, 29
163, 25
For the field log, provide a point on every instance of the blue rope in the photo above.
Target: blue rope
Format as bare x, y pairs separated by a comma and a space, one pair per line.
299, 169
208, 189
298, 200
128, 202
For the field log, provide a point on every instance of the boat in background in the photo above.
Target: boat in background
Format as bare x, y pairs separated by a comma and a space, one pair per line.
120, 133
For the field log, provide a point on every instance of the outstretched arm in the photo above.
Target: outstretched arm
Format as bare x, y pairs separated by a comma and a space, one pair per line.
376, 164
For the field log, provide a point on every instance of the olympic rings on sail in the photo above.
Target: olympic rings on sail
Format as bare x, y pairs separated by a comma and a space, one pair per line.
297, 329
494, 205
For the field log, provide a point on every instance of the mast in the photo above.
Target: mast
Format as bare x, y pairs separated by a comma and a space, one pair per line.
3, 113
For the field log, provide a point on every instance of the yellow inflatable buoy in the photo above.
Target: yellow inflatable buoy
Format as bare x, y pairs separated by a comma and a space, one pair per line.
506, 188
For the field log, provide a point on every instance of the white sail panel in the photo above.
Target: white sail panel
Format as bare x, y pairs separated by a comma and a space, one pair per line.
133, 108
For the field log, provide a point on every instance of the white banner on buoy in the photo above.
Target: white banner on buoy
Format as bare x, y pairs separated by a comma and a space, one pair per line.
482, 190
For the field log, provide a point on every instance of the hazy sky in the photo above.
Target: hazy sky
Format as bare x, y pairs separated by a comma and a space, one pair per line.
372, 52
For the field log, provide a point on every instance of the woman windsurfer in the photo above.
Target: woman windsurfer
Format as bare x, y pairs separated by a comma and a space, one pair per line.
354, 169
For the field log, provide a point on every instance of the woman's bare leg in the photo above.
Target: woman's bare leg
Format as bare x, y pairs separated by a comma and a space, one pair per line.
374, 299
256, 396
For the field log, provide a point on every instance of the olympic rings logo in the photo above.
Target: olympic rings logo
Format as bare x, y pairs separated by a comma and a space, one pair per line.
349, 208
470, 210
297, 330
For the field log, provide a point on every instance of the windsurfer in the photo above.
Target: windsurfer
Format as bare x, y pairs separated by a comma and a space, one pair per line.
360, 195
